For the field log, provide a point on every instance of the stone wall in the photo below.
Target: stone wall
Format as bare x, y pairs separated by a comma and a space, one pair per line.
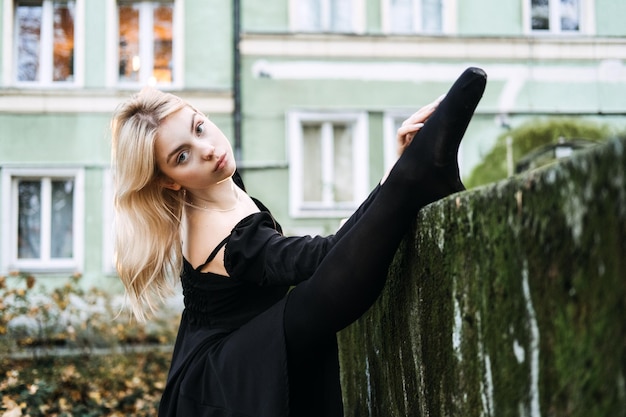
508, 300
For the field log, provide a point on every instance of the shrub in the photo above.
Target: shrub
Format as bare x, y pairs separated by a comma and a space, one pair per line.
82, 386
74, 318
71, 352
529, 137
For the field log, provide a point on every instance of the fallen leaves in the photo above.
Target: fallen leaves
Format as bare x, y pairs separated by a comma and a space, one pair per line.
107, 386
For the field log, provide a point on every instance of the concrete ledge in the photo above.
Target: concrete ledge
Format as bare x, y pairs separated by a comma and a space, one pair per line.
508, 300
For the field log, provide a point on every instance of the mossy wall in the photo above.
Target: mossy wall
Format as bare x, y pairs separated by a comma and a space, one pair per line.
508, 300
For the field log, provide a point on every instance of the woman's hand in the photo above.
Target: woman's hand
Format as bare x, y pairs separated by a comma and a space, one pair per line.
414, 123
411, 126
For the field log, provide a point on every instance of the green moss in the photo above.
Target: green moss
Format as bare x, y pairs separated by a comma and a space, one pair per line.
504, 301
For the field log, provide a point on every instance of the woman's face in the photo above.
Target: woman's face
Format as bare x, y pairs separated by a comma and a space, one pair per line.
192, 152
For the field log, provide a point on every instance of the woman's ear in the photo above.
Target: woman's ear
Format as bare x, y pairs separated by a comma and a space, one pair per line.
169, 184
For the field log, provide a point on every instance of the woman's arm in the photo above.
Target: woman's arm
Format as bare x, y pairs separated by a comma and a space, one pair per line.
259, 253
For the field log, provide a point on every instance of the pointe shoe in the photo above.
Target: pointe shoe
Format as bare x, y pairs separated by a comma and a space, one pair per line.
436, 144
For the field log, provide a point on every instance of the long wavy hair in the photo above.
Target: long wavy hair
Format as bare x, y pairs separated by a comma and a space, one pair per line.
148, 248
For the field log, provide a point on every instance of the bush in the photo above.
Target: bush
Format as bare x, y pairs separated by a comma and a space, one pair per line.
72, 352
74, 318
529, 137
84, 386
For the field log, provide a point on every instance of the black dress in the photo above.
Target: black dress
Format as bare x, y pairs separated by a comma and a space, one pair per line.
249, 347
230, 354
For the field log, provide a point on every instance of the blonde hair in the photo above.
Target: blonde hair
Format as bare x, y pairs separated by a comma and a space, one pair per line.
148, 251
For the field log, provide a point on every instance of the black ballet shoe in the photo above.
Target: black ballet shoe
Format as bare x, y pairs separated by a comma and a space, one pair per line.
436, 145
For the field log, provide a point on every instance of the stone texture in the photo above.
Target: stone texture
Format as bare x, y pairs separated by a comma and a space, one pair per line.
507, 300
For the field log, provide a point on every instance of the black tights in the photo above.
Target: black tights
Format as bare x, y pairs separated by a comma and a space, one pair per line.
353, 273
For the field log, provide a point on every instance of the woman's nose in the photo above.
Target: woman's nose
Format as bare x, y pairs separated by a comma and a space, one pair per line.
208, 151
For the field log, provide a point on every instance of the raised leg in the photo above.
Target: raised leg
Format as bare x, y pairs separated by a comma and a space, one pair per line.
353, 273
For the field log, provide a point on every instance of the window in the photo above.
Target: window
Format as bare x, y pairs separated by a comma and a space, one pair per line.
45, 39
328, 163
555, 16
340, 16
145, 42
44, 220
413, 16
391, 123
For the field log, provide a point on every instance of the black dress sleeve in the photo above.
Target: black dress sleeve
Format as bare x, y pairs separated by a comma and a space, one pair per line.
258, 253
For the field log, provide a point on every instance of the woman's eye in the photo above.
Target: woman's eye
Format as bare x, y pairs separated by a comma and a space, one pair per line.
200, 128
182, 157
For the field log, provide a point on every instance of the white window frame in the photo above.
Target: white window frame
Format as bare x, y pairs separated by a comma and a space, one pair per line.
587, 19
9, 55
360, 163
146, 54
448, 16
358, 16
391, 121
10, 260
108, 216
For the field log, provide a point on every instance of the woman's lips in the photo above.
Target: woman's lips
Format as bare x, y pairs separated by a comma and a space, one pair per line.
221, 162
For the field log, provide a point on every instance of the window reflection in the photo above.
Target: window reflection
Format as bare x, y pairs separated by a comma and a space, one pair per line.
415, 16
29, 220
540, 19
63, 62
163, 44
28, 39
45, 218
570, 18
401, 16
62, 219
129, 43
145, 42
343, 178
313, 181
325, 15
555, 15
45, 40
432, 16
328, 174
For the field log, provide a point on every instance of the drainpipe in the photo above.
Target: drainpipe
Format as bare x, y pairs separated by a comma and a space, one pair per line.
237, 79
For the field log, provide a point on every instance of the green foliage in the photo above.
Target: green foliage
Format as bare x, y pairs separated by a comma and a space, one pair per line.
503, 301
71, 317
529, 137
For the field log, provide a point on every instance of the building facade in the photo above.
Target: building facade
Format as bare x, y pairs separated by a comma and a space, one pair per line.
309, 91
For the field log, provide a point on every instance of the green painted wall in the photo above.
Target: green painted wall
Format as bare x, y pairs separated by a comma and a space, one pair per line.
507, 300
265, 16
95, 44
55, 138
208, 45
606, 24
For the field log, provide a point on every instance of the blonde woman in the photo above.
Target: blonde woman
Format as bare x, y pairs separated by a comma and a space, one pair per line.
246, 346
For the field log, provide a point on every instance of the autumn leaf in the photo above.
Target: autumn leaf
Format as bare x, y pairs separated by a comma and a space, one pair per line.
13, 409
